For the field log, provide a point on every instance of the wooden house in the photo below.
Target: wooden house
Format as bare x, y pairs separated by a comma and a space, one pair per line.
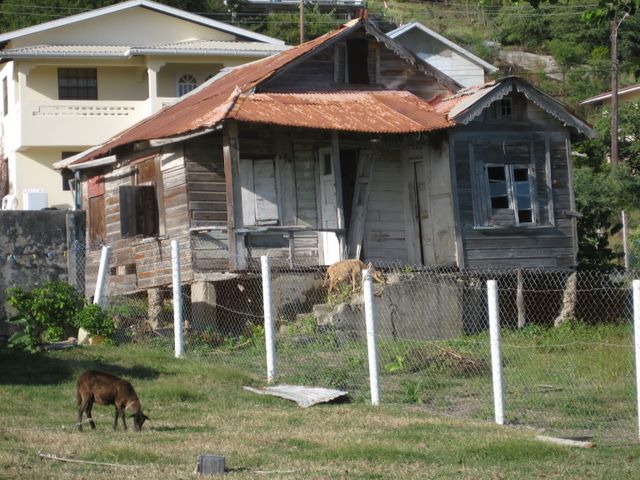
345, 146
448, 57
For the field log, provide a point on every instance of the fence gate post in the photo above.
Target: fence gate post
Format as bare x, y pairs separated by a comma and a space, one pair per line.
636, 336
267, 305
370, 320
496, 355
102, 275
177, 298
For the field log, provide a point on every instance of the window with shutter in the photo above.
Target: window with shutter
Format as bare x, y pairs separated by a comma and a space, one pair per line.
259, 192
138, 211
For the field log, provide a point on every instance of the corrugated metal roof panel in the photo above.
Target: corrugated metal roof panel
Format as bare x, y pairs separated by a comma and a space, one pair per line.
66, 51
451, 105
303, 396
195, 47
362, 111
209, 45
208, 105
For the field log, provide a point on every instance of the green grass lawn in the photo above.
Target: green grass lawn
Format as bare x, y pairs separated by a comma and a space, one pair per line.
198, 406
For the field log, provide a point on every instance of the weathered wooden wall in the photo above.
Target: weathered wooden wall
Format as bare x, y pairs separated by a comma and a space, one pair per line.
142, 263
538, 139
326, 71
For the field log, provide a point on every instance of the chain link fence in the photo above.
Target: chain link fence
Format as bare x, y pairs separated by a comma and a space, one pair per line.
567, 338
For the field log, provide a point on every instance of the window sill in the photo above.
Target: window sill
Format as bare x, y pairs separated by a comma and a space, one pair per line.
512, 228
143, 240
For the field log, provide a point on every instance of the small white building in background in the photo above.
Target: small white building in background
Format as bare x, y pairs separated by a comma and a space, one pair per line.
72, 83
463, 66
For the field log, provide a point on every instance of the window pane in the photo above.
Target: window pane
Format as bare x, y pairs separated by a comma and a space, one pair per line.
524, 216
77, 84
505, 107
522, 188
186, 83
498, 187
521, 174
496, 173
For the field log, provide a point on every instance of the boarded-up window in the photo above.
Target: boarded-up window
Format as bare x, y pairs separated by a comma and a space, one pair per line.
259, 192
138, 211
97, 214
97, 223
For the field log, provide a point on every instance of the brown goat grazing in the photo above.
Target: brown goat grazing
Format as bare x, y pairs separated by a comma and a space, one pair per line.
346, 270
106, 389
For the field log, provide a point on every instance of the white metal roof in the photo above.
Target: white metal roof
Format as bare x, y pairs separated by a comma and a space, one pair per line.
82, 51
606, 96
191, 17
209, 47
465, 53
196, 47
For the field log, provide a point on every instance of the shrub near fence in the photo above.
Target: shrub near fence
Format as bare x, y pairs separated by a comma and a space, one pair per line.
433, 349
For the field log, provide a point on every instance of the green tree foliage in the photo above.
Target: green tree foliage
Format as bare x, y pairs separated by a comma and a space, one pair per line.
44, 314
600, 196
53, 312
286, 25
603, 190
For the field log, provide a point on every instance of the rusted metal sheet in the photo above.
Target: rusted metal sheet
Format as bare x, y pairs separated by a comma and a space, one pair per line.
460, 100
362, 111
303, 396
96, 186
208, 106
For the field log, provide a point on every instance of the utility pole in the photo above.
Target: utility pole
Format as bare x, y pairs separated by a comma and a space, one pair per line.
614, 89
615, 25
301, 21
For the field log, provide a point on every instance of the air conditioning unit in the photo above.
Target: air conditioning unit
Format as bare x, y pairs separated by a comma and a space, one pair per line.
34, 199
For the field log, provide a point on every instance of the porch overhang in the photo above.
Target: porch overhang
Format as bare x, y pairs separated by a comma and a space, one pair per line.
355, 111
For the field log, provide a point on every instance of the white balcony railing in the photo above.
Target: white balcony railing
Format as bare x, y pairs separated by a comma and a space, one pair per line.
76, 122
84, 111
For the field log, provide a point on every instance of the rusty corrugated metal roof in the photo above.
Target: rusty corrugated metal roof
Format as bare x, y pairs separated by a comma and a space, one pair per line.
450, 104
358, 111
208, 105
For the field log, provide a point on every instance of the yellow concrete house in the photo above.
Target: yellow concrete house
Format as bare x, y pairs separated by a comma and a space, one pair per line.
71, 83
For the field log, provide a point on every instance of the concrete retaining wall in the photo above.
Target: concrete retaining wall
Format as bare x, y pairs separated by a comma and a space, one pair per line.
37, 247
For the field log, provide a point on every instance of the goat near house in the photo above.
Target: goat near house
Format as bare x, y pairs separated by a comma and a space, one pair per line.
346, 270
106, 389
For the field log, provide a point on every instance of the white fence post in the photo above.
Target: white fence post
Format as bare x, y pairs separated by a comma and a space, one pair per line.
267, 303
102, 274
370, 320
636, 336
177, 298
496, 355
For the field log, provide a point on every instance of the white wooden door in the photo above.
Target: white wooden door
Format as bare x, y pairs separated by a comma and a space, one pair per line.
328, 206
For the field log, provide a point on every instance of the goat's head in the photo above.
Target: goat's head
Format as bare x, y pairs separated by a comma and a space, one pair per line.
138, 420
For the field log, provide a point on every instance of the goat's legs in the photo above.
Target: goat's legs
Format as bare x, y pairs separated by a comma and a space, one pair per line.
124, 422
89, 415
115, 420
85, 406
